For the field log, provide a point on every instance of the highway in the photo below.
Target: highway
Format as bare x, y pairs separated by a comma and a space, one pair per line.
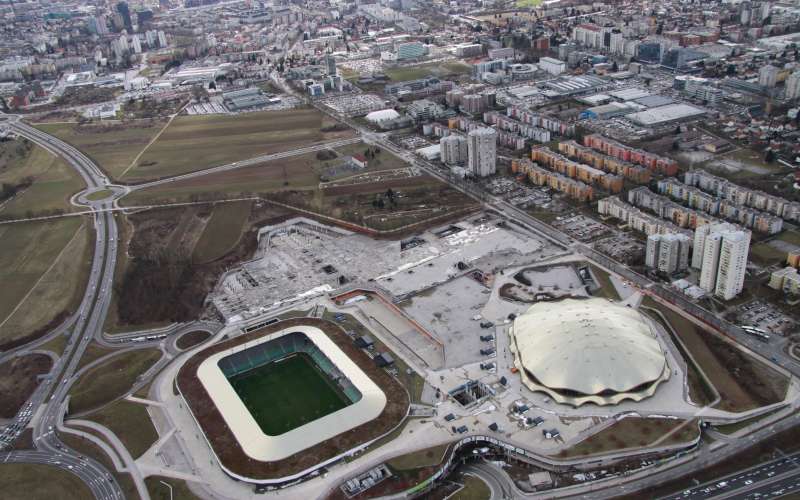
745, 483
86, 325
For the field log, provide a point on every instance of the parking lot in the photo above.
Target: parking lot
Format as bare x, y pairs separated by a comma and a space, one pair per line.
765, 317
581, 227
622, 247
449, 312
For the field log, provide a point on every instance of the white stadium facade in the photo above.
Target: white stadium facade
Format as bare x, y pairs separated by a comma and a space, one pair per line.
581, 351
260, 446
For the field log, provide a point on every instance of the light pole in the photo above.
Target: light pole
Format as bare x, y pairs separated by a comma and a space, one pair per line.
168, 486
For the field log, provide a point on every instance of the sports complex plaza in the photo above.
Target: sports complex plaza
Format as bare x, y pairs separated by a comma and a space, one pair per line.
473, 333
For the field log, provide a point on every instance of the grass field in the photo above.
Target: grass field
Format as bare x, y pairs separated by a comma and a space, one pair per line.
790, 236
222, 231
110, 380
295, 172
635, 432
191, 339
25, 482
99, 195
131, 423
54, 182
112, 146
195, 142
421, 458
56, 345
699, 391
424, 70
750, 385
474, 489
30, 252
607, 288
93, 352
284, 395
765, 254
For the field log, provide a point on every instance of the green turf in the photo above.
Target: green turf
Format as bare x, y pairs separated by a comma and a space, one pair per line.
286, 394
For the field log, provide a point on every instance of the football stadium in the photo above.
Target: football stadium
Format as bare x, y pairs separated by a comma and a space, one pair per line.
278, 403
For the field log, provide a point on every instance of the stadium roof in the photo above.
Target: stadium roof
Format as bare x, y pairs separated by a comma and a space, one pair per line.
581, 351
253, 441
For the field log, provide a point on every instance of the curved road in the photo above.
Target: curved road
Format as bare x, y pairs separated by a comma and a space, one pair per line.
88, 324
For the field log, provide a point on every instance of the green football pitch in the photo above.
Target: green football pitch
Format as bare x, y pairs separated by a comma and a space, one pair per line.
285, 395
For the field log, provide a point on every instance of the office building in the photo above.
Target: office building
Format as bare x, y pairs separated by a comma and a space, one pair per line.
482, 152
720, 252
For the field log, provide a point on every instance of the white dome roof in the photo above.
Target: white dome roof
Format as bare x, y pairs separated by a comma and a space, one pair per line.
588, 351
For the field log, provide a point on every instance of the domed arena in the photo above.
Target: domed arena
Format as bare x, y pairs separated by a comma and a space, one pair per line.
580, 351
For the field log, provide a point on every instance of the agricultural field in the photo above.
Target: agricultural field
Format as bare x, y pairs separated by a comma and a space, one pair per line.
39, 182
296, 172
110, 380
193, 143
40, 273
113, 146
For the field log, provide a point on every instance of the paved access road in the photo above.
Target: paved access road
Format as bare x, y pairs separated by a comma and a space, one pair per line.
85, 325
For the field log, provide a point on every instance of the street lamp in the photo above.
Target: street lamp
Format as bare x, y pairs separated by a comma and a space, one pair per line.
168, 486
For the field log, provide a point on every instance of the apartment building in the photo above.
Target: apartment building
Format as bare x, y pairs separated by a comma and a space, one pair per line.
482, 152
539, 176
584, 173
668, 253
720, 252
633, 173
651, 161
637, 219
